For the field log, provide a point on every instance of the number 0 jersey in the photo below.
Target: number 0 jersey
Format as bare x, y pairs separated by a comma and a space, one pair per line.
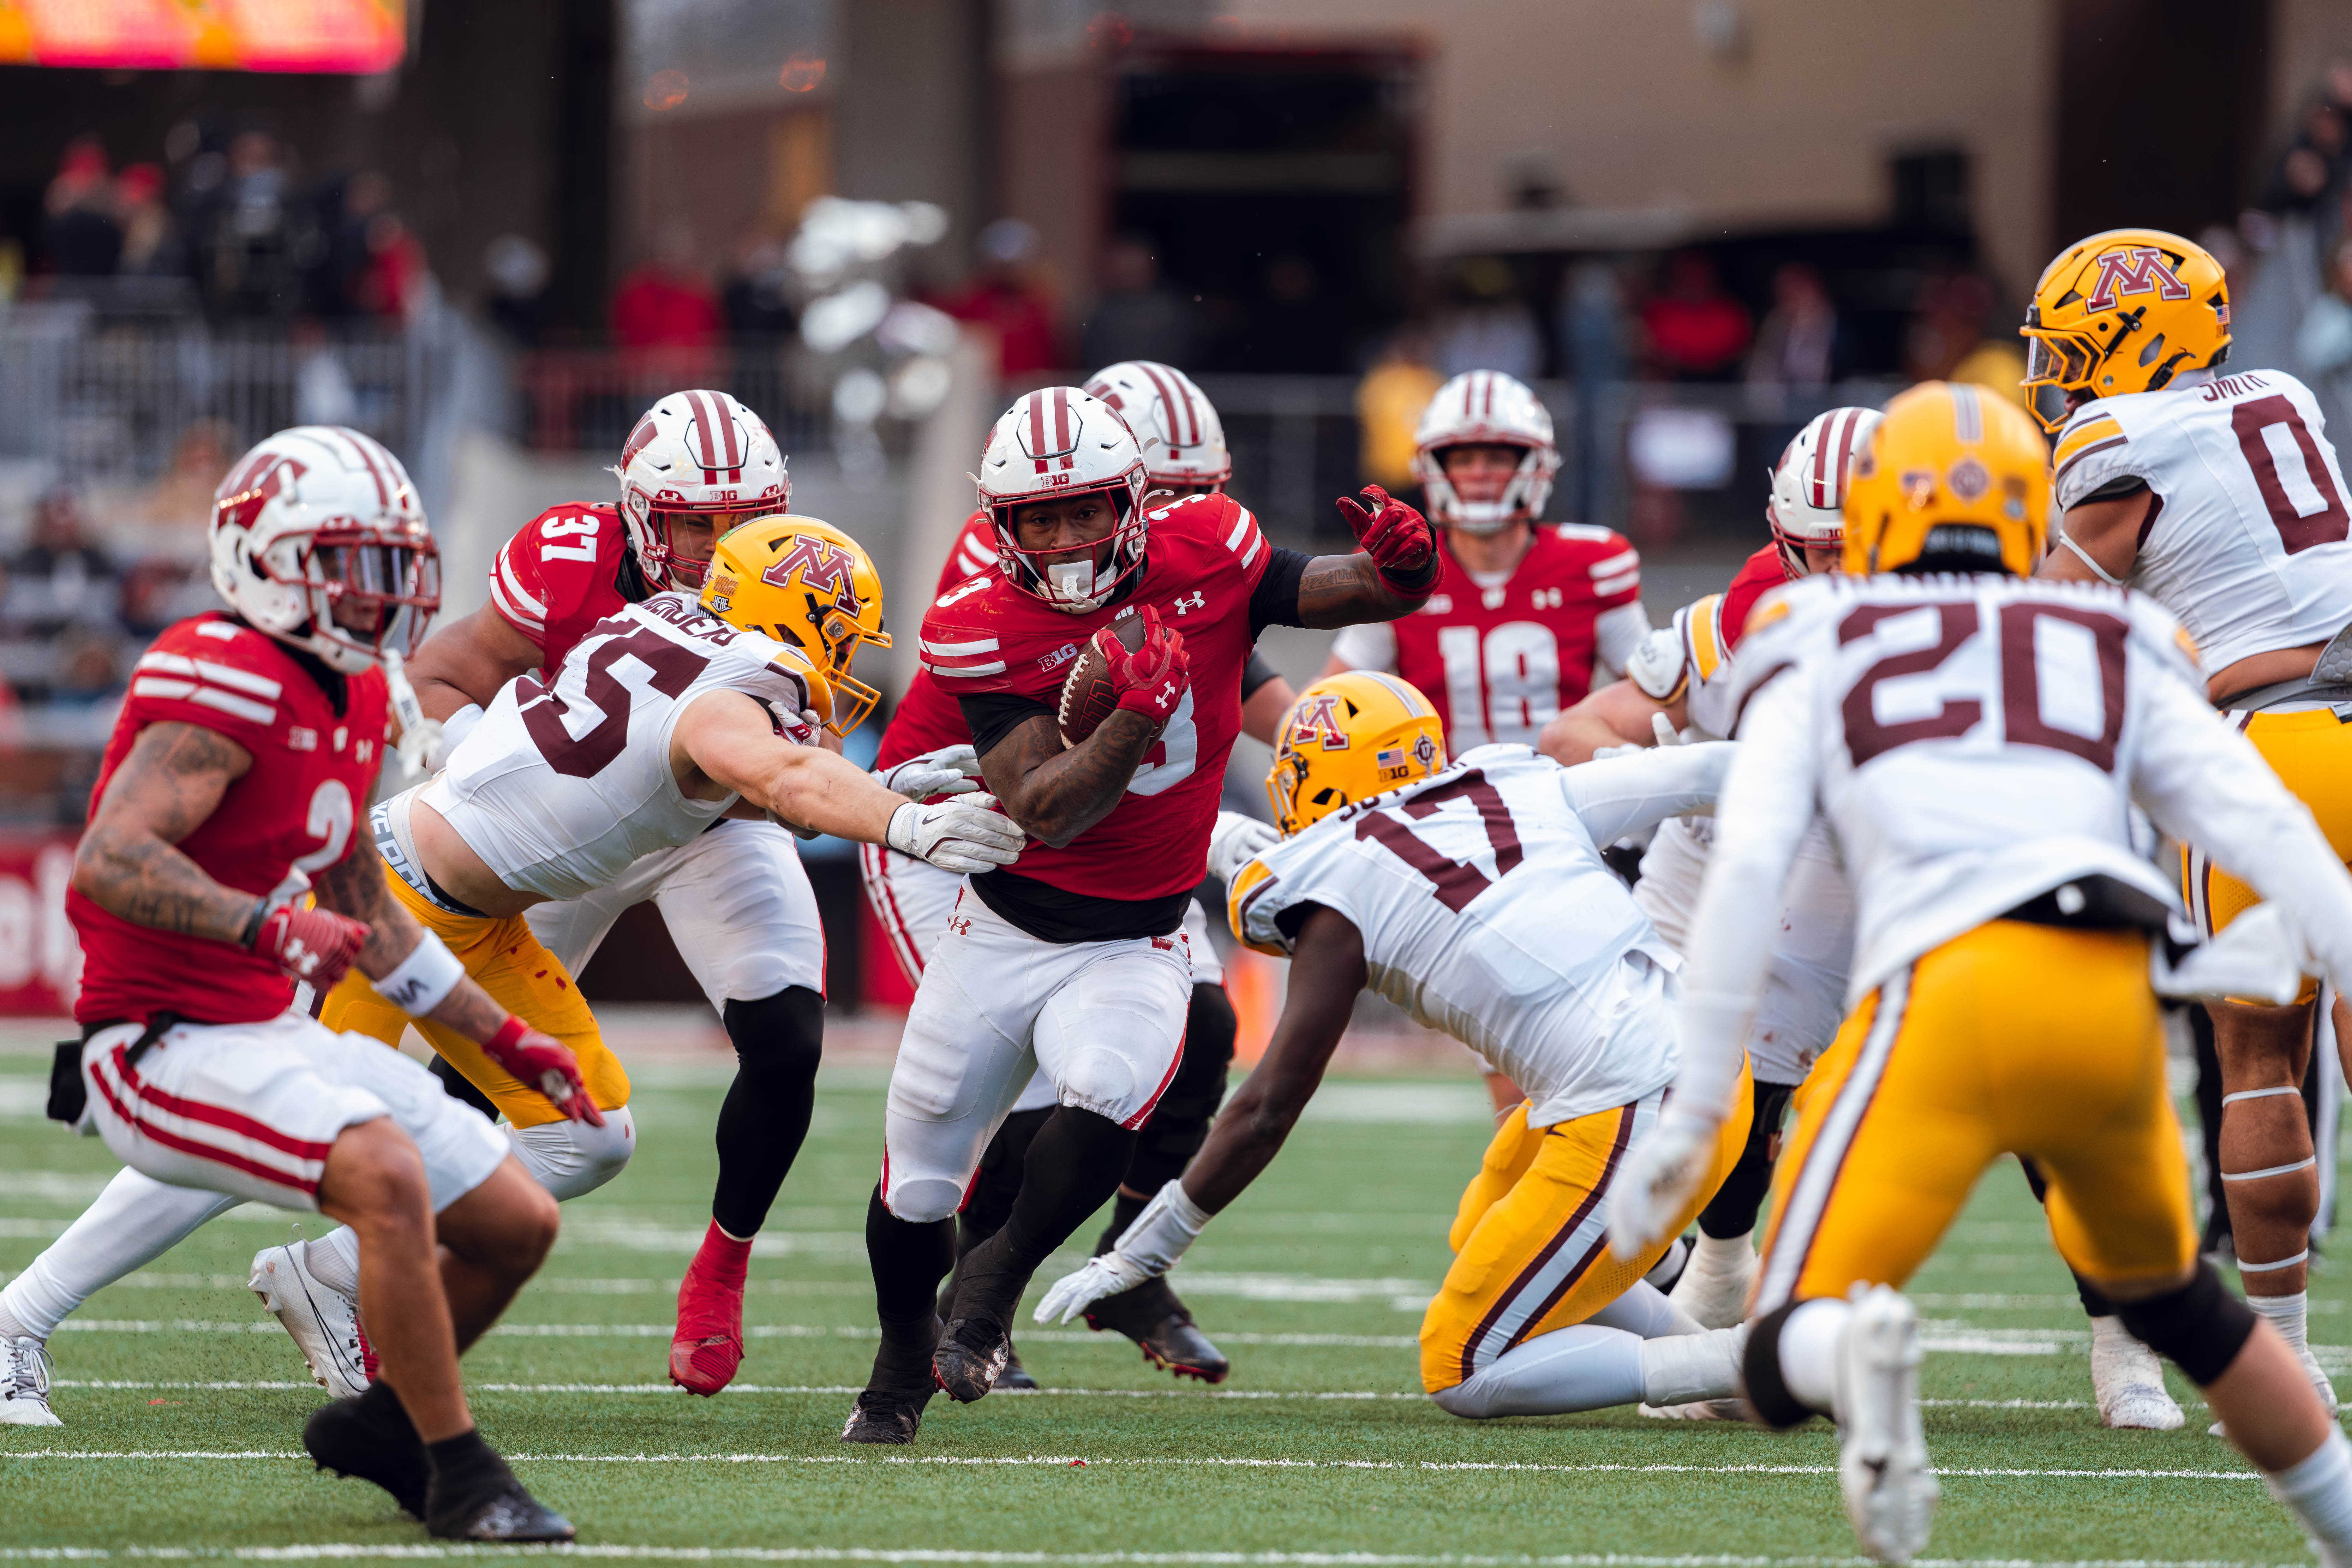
1486, 912
2247, 540
567, 779
1971, 742
290, 813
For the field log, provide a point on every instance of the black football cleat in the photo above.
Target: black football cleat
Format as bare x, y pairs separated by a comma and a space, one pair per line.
343, 1440
1015, 1377
971, 1357
511, 1513
1161, 1327
885, 1415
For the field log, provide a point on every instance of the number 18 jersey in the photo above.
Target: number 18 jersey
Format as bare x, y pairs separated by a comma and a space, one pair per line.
2247, 541
567, 779
1486, 912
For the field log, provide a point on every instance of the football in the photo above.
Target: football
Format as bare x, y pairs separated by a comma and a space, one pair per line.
1088, 694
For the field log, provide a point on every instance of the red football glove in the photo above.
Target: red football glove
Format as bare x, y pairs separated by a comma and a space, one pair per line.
1399, 540
315, 946
546, 1063
1153, 678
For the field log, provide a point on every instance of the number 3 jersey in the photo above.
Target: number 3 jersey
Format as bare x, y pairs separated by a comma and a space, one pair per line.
1971, 742
1486, 912
2246, 540
290, 815
567, 779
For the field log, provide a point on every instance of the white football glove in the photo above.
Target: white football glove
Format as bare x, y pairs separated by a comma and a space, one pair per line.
1147, 1249
951, 769
1660, 1178
1235, 841
968, 833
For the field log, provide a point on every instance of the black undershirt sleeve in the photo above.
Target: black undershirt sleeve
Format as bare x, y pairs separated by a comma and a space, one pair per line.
996, 714
1256, 673
1275, 601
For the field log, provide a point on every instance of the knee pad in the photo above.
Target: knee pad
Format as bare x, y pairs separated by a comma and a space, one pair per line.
571, 1157
1097, 1076
919, 1200
2200, 1328
1760, 1376
782, 1034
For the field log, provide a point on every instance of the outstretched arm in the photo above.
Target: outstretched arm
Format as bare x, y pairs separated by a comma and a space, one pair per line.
127, 863
1619, 714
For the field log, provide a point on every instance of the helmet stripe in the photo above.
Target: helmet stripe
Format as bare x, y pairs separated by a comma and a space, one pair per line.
1036, 402
359, 444
1968, 414
1414, 702
720, 402
1819, 485
1185, 434
1846, 435
702, 421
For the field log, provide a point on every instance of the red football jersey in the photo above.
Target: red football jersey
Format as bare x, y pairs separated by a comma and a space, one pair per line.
1500, 663
1757, 575
927, 717
293, 812
558, 575
985, 636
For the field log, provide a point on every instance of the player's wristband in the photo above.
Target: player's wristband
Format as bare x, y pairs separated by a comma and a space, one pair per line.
425, 978
1167, 1225
1415, 584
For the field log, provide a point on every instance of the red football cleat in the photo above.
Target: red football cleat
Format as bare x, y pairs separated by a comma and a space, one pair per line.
708, 1344
369, 1359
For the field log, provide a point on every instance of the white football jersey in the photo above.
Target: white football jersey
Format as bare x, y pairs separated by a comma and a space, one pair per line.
1971, 742
2248, 543
567, 779
1486, 912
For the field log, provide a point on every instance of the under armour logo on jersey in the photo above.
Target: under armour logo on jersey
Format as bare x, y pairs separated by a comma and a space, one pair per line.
1547, 598
1318, 719
2142, 270
823, 566
1193, 600
1168, 694
1492, 598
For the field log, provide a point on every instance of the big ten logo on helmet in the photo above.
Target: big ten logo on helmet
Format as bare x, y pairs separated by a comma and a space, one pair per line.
823, 567
1396, 763
2142, 270
1319, 721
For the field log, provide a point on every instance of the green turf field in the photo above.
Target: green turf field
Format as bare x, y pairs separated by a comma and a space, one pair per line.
184, 1403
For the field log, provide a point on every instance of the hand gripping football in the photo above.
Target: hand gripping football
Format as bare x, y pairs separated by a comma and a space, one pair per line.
1135, 662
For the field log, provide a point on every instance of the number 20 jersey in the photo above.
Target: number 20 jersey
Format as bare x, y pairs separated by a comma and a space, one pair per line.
567, 779
1971, 742
1486, 912
2247, 543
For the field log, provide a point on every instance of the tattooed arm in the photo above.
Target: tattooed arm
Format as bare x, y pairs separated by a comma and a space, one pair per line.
1344, 590
355, 887
127, 863
1056, 792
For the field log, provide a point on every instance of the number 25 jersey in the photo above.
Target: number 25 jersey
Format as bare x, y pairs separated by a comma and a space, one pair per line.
567, 779
2247, 541
1486, 912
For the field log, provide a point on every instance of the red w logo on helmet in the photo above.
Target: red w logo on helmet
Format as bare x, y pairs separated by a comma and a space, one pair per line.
1320, 720
823, 566
2142, 270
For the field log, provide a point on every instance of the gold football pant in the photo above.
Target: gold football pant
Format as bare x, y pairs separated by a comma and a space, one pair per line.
2311, 752
1531, 1239
2011, 1040
503, 958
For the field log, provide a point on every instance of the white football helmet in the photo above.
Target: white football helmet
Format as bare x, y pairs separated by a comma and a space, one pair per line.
700, 453
1482, 407
1056, 442
318, 539
1183, 440
1808, 504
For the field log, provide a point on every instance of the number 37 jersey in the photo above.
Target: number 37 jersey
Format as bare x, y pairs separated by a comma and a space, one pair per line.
1486, 912
567, 779
2247, 542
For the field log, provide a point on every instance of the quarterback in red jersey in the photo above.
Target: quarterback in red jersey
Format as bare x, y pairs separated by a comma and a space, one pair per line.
230, 788
1522, 609
737, 900
1184, 454
1077, 961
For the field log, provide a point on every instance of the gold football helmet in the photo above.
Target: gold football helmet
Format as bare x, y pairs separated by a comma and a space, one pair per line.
1955, 479
809, 586
1348, 738
2126, 311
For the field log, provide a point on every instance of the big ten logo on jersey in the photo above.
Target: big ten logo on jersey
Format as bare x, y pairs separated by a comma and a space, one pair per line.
1500, 681
2142, 270
1055, 660
2053, 673
557, 530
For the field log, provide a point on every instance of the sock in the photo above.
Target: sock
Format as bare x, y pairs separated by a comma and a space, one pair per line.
1584, 1367
1809, 1352
466, 1473
2318, 1492
333, 1262
135, 1220
1075, 1163
910, 1258
571, 1159
1722, 1258
2095, 1304
1647, 1312
765, 1117
1679, 1368
722, 1260
2287, 1315
1732, 1211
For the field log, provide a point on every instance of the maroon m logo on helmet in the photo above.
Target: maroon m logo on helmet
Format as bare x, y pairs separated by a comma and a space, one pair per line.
1320, 720
825, 568
2142, 270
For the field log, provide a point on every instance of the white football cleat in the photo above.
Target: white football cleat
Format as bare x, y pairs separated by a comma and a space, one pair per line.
324, 1321
2128, 1381
1715, 1282
1890, 1493
25, 1385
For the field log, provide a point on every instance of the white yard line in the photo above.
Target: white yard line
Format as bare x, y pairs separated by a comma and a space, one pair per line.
342, 1551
